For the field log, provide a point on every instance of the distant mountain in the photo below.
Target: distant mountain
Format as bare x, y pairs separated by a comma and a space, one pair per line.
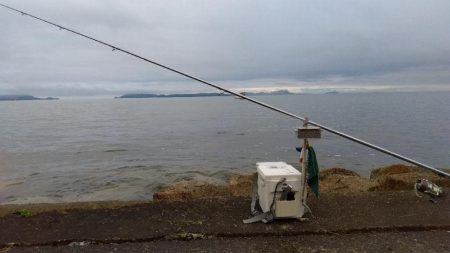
172, 95
141, 95
23, 97
277, 92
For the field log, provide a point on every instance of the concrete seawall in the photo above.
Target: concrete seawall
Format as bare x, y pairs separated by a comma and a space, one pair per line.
353, 214
359, 222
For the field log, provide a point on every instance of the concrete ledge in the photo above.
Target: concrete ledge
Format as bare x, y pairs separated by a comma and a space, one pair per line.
221, 219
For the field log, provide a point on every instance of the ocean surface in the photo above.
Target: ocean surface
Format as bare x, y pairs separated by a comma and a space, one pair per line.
124, 149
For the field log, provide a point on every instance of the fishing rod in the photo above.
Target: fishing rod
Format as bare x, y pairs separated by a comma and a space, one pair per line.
328, 129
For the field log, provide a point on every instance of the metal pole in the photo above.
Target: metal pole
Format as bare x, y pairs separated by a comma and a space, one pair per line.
344, 135
304, 163
304, 171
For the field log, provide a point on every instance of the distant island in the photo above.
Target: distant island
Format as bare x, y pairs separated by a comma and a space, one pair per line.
23, 97
188, 95
143, 95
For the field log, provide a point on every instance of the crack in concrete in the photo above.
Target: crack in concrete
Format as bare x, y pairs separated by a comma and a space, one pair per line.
172, 237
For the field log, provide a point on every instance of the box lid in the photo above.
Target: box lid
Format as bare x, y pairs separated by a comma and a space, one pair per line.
276, 170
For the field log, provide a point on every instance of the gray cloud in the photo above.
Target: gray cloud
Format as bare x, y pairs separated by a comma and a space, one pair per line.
238, 43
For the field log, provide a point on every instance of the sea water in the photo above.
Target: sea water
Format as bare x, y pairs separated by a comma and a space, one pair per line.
105, 149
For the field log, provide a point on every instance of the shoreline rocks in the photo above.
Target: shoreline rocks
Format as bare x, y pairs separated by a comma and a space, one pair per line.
395, 177
402, 177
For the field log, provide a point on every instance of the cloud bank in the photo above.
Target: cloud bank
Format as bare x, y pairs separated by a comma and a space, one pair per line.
364, 45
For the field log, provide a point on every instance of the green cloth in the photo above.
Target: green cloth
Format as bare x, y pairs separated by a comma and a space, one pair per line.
313, 171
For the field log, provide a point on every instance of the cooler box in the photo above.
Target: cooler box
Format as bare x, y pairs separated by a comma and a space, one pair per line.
269, 174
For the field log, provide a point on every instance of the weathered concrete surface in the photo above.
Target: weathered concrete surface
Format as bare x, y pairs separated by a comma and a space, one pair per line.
67, 206
417, 241
351, 221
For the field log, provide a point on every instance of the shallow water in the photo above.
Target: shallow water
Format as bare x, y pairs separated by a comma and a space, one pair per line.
104, 149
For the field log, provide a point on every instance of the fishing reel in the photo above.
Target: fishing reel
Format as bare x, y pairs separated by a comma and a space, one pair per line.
427, 187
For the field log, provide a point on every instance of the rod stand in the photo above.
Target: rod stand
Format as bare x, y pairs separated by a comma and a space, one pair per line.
306, 132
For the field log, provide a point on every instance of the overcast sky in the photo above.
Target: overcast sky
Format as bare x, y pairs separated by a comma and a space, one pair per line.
300, 45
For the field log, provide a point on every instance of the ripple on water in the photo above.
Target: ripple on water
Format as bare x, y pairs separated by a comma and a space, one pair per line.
115, 150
